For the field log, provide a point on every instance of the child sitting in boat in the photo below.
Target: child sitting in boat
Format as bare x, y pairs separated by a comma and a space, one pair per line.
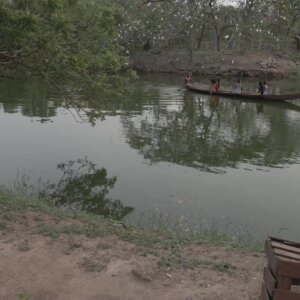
218, 85
188, 79
238, 87
265, 88
213, 86
260, 89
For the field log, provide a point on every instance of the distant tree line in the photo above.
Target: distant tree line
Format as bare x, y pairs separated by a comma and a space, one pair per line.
85, 41
243, 25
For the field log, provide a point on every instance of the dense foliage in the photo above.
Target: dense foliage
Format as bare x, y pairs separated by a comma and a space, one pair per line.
79, 40
59, 38
241, 25
79, 45
66, 42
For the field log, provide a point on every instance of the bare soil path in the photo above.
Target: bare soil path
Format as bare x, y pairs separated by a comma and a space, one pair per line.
76, 267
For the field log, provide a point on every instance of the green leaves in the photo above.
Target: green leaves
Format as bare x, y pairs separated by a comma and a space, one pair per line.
67, 42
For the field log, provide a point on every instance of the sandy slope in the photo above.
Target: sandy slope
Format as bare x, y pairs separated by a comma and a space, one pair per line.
74, 267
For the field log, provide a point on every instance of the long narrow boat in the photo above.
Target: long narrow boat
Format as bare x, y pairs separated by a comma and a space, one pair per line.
280, 97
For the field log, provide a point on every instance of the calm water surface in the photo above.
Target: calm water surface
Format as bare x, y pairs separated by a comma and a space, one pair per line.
198, 159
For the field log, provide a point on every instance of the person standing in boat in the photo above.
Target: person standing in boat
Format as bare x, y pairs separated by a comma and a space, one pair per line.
218, 84
238, 87
265, 88
213, 86
260, 89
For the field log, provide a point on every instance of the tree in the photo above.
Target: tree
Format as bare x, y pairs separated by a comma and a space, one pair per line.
72, 44
285, 21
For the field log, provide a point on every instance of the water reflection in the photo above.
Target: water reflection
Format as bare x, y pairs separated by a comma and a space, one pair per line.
167, 124
32, 99
37, 99
85, 187
212, 134
161, 123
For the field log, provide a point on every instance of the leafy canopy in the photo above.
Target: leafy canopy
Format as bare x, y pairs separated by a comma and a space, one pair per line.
67, 42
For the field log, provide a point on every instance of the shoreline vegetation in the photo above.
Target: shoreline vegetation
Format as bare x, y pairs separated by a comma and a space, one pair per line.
153, 235
34, 233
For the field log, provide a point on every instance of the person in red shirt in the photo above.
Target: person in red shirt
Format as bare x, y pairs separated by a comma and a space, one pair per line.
188, 79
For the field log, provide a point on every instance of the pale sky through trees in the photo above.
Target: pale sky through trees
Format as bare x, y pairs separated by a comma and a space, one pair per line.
231, 2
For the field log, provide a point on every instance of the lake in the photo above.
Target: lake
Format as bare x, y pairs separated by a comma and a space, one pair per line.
166, 154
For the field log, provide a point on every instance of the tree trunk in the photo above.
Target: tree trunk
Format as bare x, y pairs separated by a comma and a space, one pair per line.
297, 37
200, 38
218, 43
190, 47
217, 39
219, 34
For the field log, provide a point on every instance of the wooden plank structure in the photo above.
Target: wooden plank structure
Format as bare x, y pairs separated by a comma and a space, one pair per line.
283, 270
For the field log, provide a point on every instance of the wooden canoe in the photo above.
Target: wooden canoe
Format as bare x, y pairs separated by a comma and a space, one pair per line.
280, 97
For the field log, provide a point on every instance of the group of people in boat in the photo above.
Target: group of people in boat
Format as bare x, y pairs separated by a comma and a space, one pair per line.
263, 88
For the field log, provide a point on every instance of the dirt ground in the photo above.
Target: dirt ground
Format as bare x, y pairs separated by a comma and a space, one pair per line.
75, 267
224, 64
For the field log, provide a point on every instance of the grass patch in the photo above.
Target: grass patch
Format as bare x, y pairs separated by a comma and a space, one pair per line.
224, 267
169, 262
3, 225
198, 262
72, 246
24, 246
103, 246
91, 265
176, 261
151, 237
24, 295
48, 231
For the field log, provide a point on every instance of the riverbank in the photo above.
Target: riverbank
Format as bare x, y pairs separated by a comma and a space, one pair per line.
222, 64
49, 253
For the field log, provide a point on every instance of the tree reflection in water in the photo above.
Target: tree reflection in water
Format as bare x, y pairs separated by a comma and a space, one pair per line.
216, 134
85, 187
31, 98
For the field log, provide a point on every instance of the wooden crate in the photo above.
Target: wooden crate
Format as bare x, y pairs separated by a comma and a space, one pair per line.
264, 293
283, 270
